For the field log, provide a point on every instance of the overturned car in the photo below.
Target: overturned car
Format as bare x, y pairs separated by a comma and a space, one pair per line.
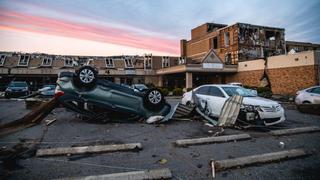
104, 100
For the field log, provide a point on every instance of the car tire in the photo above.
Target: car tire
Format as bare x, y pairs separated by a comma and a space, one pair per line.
306, 102
86, 77
154, 99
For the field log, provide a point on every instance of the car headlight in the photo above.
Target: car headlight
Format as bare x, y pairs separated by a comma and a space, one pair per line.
8, 89
251, 108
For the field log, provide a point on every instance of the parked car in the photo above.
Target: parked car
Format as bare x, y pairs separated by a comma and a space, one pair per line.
270, 112
47, 90
308, 96
140, 87
84, 93
17, 89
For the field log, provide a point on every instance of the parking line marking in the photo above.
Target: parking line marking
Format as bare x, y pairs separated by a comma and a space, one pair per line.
299, 130
88, 149
164, 173
216, 139
260, 158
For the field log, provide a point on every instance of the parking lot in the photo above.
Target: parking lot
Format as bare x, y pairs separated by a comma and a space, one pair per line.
159, 150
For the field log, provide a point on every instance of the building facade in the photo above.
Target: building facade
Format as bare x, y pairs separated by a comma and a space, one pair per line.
216, 53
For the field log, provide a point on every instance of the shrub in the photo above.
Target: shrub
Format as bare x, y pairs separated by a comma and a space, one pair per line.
264, 92
263, 89
164, 91
177, 91
150, 85
189, 89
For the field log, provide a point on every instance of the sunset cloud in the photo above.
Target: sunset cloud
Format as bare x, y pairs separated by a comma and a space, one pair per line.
50, 26
147, 25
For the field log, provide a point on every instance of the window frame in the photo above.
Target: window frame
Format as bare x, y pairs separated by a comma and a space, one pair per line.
2, 59
182, 60
165, 61
24, 58
109, 65
227, 43
147, 64
126, 60
66, 64
46, 65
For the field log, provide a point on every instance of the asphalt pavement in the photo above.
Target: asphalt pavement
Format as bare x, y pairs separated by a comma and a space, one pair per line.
158, 151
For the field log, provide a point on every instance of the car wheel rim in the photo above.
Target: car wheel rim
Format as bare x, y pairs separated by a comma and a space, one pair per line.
155, 97
86, 76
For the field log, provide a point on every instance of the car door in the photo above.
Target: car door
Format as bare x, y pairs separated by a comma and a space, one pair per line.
202, 95
315, 95
216, 100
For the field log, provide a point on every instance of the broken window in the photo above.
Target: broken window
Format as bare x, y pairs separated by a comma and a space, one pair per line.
2, 59
228, 59
215, 43
182, 60
270, 37
24, 60
227, 38
46, 61
165, 61
148, 62
109, 63
128, 63
68, 62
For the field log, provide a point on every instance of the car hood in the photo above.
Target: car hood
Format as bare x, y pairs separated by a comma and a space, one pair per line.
259, 101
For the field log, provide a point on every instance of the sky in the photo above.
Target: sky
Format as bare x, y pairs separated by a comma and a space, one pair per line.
136, 27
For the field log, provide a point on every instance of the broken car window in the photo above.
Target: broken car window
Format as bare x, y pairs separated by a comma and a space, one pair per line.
238, 91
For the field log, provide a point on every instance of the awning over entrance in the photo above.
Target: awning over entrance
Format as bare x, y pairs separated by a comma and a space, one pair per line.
210, 63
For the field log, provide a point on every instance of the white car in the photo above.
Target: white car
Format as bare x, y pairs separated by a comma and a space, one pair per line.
308, 96
270, 112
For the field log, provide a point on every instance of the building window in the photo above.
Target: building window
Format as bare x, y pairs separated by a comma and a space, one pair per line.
2, 59
68, 63
46, 62
182, 60
148, 62
228, 59
165, 61
128, 63
215, 43
109, 63
24, 60
227, 38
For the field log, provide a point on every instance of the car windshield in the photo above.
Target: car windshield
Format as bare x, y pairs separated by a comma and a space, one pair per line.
239, 91
140, 86
18, 84
50, 86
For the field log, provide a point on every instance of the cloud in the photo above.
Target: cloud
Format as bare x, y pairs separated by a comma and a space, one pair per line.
87, 31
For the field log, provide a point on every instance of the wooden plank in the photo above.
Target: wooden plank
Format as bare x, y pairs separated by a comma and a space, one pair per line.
88, 149
255, 159
164, 173
217, 139
299, 130
230, 111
